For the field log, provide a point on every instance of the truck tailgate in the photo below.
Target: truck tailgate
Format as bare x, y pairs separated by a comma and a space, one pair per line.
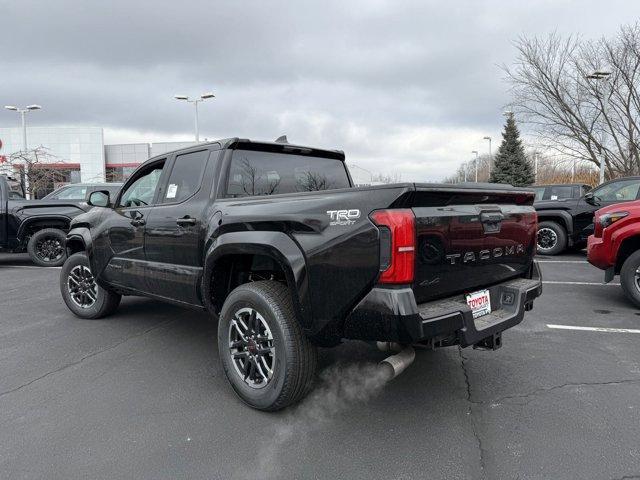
469, 239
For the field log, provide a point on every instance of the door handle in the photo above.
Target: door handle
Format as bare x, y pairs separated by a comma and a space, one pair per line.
186, 220
138, 222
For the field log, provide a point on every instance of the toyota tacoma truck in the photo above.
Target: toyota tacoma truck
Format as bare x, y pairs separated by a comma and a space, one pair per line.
273, 240
37, 226
566, 222
615, 246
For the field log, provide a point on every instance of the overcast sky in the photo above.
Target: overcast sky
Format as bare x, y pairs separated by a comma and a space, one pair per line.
401, 86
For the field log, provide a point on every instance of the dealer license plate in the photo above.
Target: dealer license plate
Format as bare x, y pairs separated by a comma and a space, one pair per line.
479, 302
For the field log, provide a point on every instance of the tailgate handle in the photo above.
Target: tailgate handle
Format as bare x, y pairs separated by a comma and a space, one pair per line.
491, 221
491, 217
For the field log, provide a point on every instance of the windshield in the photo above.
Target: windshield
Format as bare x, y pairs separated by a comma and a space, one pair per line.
620, 191
68, 193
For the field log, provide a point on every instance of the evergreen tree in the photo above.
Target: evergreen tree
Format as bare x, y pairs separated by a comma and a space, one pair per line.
510, 165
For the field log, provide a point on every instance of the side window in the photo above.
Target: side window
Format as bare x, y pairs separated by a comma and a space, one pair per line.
622, 191
142, 190
186, 176
558, 192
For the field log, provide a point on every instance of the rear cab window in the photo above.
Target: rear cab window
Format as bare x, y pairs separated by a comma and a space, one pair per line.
255, 173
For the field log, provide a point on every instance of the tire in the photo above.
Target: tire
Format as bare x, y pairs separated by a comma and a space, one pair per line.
554, 238
630, 284
280, 338
46, 247
97, 302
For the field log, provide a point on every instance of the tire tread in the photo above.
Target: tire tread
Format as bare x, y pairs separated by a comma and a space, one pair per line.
31, 248
304, 358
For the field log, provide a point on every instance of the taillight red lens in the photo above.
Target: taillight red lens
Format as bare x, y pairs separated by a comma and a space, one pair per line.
401, 225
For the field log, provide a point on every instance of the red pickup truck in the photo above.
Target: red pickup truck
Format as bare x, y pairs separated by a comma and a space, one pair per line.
615, 246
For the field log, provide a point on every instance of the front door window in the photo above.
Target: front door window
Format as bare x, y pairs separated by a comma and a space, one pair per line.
141, 192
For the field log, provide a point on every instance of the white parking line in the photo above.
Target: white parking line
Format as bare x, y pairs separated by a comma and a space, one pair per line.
563, 261
595, 329
553, 282
25, 266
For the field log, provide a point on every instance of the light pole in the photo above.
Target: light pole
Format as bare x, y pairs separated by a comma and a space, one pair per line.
476, 162
195, 102
23, 112
601, 75
488, 138
464, 170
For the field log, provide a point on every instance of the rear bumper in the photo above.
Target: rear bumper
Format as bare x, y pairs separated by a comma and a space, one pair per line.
598, 253
392, 314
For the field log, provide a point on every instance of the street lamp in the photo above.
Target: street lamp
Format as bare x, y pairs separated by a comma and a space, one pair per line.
195, 102
601, 76
22, 112
490, 156
489, 139
476, 162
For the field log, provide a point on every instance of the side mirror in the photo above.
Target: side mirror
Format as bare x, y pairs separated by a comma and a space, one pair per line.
590, 199
99, 198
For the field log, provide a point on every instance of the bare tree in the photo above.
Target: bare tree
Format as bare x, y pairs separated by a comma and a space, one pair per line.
386, 177
313, 181
33, 167
572, 115
252, 181
468, 170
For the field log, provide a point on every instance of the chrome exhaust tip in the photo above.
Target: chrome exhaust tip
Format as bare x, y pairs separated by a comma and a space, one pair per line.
396, 364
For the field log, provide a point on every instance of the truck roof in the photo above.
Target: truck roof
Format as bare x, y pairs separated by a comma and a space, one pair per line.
234, 143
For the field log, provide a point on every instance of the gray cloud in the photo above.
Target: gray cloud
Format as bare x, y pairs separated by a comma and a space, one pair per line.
400, 86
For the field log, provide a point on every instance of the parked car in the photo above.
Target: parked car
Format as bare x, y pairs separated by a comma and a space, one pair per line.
274, 241
615, 246
37, 226
567, 222
80, 192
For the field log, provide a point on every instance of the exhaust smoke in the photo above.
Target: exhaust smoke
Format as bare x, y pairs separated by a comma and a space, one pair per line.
340, 387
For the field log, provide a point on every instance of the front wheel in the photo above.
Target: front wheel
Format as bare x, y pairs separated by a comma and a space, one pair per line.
266, 357
551, 239
84, 297
630, 277
46, 247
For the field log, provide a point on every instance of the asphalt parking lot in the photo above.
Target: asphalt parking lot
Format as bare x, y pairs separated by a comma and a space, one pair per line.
141, 395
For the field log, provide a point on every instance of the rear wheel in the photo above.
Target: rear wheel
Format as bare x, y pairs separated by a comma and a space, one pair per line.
630, 277
266, 357
552, 238
46, 247
84, 297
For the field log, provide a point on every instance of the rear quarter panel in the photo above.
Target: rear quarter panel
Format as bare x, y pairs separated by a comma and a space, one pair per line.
340, 250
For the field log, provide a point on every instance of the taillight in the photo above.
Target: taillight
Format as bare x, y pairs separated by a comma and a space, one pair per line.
397, 245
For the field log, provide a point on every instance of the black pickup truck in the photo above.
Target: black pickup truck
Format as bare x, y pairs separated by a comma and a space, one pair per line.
566, 221
275, 242
37, 226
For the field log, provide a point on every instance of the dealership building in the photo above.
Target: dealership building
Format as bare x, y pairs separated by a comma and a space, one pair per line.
79, 153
